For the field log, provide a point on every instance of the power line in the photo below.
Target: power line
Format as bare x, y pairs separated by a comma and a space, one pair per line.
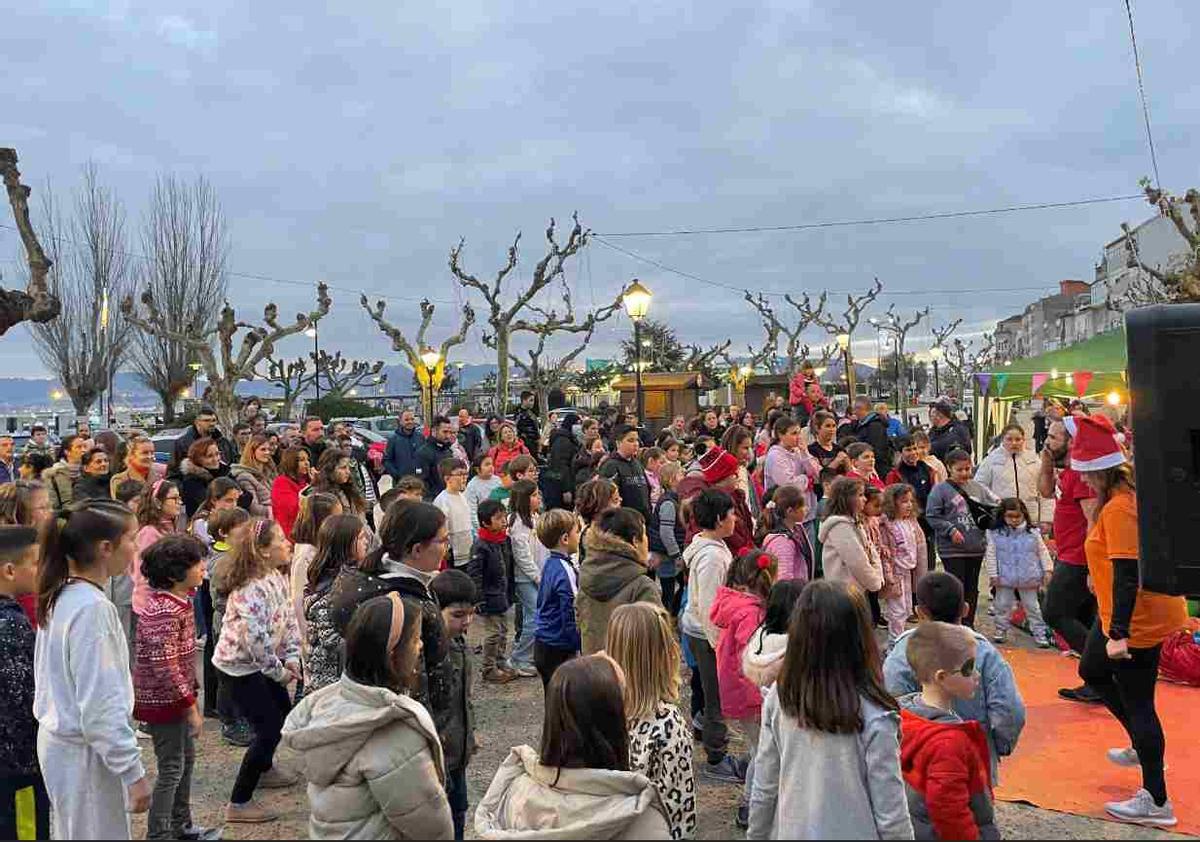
1137, 63
741, 289
885, 220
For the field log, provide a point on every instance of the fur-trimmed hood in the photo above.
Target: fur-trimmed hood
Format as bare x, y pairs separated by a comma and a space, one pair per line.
610, 564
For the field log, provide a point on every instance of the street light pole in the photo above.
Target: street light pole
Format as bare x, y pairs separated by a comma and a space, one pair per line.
936, 353
843, 341
637, 303
312, 331
637, 369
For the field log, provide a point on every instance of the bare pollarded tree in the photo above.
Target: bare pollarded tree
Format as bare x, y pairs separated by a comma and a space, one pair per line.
185, 241
775, 326
848, 323
412, 350
505, 318
292, 377
1180, 281
703, 360
227, 366
88, 341
36, 303
899, 329
341, 375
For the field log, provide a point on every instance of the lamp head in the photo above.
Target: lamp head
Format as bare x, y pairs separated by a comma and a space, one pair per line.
637, 300
431, 357
843, 341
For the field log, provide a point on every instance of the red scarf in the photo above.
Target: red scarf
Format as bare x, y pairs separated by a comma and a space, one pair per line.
493, 537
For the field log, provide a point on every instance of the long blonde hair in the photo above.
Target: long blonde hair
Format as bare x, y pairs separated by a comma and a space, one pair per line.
641, 642
267, 469
247, 559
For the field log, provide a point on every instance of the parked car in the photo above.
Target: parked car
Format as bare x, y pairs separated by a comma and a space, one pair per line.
385, 424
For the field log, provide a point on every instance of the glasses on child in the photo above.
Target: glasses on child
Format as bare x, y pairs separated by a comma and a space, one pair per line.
968, 668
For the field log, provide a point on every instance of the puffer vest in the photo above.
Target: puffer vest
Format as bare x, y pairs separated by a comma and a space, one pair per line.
1017, 561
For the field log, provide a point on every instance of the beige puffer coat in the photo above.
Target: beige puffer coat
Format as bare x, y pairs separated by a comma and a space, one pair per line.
373, 763
530, 801
848, 556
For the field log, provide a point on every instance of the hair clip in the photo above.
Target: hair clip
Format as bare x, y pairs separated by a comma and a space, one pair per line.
764, 561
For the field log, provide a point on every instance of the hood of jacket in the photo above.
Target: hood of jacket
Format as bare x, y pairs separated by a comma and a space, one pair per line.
239, 469
834, 522
730, 607
763, 658
330, 727
190, 469
610, 565
527, 800
925, 727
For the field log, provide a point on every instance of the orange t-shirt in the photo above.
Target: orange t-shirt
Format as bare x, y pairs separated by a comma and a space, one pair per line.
1156, 616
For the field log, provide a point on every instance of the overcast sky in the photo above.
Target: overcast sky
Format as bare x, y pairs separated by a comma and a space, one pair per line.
359, 142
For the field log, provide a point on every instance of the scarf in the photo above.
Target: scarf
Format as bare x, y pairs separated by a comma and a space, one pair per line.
498, 537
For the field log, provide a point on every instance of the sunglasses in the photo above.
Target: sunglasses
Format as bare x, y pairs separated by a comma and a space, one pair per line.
968, 668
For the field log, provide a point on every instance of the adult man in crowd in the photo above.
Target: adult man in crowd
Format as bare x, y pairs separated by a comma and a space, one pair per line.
871, 428
8, 468
204, 425
437, 447
895, 427
945, 432
470, 436
39, 441
242, 432
314, 441
1070, 605
400, 457
529, 430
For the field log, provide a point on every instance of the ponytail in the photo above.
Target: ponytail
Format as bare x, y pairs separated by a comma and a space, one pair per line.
753, 571
783, 498
75, 537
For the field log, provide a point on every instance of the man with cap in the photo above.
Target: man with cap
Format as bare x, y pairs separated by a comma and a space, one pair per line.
946, 433
717, 468
1070, 607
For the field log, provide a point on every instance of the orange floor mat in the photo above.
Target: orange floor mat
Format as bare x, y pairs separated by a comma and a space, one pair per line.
1059, 763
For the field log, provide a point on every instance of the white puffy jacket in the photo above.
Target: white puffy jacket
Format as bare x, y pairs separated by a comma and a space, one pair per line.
373, 763
1016, 475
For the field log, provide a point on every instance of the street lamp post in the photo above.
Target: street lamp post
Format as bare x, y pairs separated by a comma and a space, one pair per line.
936, 353
843, 342
430, 375
637, 304
316, 338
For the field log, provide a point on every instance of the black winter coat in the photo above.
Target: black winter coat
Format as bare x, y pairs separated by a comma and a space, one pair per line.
529, 430
559, 477
18, 728
953, 436
456, 724
179, 450
873, 430
429, 457
193, 484
491, 567
630, 477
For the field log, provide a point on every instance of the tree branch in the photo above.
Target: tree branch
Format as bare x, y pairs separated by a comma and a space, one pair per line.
35, 303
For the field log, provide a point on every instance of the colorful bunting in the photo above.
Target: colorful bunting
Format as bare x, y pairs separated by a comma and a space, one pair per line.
984, 380
1082, 379
1039, 380
1001, 379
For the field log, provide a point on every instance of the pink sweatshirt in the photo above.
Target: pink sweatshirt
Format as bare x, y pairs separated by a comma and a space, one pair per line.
737, 614
146, 536
793, 467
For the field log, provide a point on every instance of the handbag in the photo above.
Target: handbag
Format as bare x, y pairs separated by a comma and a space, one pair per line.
984, 515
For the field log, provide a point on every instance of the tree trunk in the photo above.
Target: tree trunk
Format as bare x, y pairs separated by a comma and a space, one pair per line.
502, 342
82, 401
168, 408
543, 402
286, 408
225, 404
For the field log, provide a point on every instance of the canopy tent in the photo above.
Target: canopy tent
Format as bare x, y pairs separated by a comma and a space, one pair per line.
1091, 368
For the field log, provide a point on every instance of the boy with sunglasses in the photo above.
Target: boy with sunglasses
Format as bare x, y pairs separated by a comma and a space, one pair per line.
943, 757
996, 703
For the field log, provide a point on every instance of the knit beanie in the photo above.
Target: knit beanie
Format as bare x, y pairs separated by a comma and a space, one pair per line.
1094, 445
717, 464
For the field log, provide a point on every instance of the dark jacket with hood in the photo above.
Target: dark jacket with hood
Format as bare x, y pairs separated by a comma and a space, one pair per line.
430, 455
952, 436
491, 568
529, 430
193, 484
613, 574
630, 477
355, 587
559, 477
456, 723
945, 764
400, 455
92, 488
873, 430
471, 439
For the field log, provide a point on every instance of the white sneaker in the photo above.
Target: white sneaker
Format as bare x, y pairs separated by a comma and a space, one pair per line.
1126, 757
1141, 809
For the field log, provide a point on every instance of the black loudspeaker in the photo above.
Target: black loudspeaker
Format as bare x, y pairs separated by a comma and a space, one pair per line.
1163, 345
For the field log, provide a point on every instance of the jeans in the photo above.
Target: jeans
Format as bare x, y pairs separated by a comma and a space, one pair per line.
523, 649
1005, 597
456, 794
210, 673
495, 641
547, 659
265, 703
1070, 606
966, 570
171, 802
716, 735
750, 729
1127, 688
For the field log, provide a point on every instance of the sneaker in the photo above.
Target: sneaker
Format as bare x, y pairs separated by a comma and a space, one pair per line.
276, 778
1044, 642
1000, 637
1141, 809
194, 833
742, 820
1127, 757
498, 676
727, 771
1084, 694
249, 813
697, 721
525, 672
237, 733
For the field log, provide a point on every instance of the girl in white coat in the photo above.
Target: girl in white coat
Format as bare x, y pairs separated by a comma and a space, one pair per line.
1011, 470
84, 698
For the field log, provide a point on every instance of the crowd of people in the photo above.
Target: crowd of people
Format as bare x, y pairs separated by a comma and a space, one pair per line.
786, 565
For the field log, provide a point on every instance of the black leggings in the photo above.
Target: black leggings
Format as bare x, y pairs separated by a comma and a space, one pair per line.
966, 570
204, 595
266, 704
547, 659
1070, 606
1127, 688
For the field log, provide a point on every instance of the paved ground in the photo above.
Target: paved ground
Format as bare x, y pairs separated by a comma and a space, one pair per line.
511, 715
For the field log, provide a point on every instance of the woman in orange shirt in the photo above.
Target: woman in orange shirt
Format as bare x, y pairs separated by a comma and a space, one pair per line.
1121, 656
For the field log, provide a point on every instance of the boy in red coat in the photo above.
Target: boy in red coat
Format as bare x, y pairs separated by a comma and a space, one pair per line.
944, 759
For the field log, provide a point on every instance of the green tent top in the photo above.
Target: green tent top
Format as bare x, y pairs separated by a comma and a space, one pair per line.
1104, 356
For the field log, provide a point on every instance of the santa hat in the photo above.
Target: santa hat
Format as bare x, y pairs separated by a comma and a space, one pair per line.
1094, 445
717, 464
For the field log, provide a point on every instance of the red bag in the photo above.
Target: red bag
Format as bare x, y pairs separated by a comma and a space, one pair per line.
1180, 660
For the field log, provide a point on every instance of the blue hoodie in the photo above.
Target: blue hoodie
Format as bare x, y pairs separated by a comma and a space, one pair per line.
556, 626
997, 705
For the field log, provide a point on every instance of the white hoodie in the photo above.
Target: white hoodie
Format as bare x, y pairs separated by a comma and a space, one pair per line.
763, 658
707, 561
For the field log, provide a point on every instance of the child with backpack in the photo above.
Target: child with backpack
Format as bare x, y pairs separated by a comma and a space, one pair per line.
1018, 562
738, 611
782, 533
960, 542
905, 556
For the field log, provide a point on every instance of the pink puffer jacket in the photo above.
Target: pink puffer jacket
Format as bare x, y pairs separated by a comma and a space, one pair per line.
737, 614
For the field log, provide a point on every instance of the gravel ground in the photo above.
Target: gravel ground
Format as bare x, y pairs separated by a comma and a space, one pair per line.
511, 715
